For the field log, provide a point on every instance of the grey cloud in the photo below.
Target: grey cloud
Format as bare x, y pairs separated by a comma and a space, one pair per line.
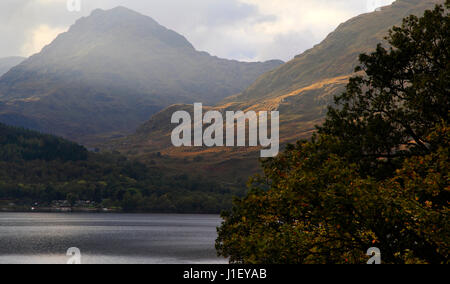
223, 28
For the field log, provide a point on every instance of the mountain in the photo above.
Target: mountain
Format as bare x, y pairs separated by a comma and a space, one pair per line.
300, 90
9, 62
110, 72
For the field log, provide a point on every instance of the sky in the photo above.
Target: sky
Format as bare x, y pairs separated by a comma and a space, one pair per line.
247, 30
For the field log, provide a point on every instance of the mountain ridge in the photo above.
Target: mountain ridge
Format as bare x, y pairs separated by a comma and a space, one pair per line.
6, 63
292, 89
343, 45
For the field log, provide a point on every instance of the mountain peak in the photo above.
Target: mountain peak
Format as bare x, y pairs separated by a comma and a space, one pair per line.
116, 68
118, 16
118, 11
122, 25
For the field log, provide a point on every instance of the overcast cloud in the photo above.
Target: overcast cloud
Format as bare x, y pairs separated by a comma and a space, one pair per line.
236, 29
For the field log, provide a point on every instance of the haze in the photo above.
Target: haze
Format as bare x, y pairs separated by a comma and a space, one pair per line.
246, 30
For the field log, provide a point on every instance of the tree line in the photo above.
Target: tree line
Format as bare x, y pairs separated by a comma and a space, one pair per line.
40, 168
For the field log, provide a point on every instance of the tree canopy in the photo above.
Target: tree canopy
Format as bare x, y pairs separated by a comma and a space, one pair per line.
375, 174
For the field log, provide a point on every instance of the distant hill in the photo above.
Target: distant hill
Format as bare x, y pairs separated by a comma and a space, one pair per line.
110, 72
9, 62
18, 144
300, 90
38, 168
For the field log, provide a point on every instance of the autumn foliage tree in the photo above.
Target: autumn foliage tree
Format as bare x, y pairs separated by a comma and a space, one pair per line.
375, 175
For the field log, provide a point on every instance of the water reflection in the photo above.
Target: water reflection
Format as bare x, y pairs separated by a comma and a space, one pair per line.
108, 238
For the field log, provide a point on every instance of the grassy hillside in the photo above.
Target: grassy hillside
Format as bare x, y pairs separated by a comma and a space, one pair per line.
338, 54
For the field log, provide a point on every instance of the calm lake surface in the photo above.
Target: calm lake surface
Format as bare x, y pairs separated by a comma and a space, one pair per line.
109, 238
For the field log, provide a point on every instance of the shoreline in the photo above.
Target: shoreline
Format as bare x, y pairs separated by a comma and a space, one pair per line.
98, 211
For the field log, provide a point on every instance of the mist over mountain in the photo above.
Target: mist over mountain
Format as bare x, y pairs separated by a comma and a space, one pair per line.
301, 90
110, 72
9, 62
